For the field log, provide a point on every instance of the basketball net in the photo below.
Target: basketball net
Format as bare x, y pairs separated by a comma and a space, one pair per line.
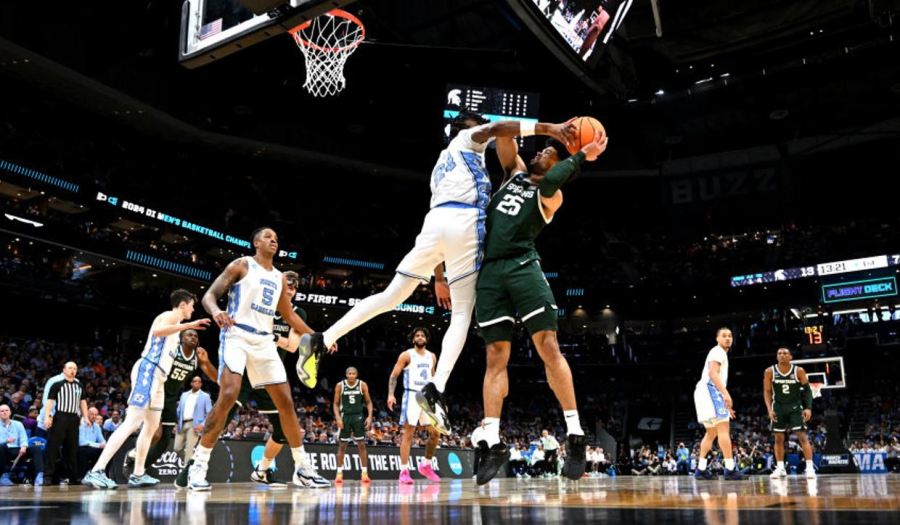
326, 41
816, 389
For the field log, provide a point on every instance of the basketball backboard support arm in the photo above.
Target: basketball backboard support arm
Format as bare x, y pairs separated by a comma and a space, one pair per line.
206, 37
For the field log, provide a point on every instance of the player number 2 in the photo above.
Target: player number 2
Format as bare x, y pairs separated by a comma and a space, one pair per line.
511, 205
785, 389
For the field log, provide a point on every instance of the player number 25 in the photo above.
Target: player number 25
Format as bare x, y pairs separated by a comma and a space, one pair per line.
511, 205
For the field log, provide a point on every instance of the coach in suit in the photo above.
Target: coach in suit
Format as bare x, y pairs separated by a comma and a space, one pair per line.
193, 408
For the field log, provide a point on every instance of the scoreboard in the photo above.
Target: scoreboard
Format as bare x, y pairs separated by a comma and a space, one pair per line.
494, 104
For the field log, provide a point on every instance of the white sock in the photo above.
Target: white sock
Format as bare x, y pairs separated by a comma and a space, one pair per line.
701, 464
491, 430
264, 463
399, 290
462, 296
365, 470
299, 456
201, 455
729, 463
573, 423
781, 465
340, 470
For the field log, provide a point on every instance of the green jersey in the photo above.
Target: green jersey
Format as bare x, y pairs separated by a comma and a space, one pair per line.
351, 399
515, 218
786, 388
282, 329
182, 369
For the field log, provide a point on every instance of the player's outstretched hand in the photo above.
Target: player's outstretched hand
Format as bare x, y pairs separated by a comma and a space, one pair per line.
202, 356
391, 402
595, 148
565, 132
442, 294
223, 320
807, 415
333, 349
199, 324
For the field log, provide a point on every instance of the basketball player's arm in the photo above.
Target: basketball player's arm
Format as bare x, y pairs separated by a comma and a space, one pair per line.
807, 394
564, 132
206, 366
168, 323
767, 393
402, 362
714, 367
234, 272
369, 407
337, 406
441, 287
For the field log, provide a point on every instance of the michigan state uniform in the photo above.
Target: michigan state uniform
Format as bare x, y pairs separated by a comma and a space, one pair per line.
352, 414
787, 396
264, 403
182, 370
511, 281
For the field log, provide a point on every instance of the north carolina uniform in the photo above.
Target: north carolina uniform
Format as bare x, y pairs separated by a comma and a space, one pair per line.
149, 373
352, 400
416, 375
708, 401
454, 229
248, 344
787, 400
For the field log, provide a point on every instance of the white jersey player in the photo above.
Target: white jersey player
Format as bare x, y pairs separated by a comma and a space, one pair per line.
256, 292
145, 403
417, 366
453, 235
714, 407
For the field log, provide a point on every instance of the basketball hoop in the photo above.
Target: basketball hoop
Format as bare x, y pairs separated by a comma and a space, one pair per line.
326, 41
816, 389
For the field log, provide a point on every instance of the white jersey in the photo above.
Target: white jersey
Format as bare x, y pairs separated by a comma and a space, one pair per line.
460, 178
719, 355
253, 301
161, 350
417, 373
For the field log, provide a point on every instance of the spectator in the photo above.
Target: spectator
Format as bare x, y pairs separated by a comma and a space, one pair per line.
517, 463
193, 408
670, 466
90, 442
13, 443
683, 456
30, 421
113, 422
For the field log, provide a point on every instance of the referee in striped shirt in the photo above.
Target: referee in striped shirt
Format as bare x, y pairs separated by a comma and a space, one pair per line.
67, 396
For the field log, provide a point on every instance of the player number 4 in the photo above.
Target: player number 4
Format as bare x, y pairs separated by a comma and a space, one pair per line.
511, 205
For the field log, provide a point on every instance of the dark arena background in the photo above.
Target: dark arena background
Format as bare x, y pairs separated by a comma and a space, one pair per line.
750, 183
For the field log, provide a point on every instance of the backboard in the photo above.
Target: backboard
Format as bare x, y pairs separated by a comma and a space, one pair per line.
212, 29
829, 371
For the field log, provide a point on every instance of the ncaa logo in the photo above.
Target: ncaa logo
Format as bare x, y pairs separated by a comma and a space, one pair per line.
455, 464
256, 455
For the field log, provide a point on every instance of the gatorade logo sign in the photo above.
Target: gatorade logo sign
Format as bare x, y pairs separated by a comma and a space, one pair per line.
650, 423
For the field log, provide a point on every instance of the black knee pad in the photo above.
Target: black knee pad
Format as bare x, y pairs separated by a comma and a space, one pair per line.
277, 431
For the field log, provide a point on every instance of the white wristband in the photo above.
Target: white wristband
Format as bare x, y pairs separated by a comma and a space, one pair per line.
526, 128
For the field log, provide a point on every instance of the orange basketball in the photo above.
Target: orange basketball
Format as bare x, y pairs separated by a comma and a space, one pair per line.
586, 129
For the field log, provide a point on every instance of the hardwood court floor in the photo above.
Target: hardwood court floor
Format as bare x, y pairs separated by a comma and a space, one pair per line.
844, 499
